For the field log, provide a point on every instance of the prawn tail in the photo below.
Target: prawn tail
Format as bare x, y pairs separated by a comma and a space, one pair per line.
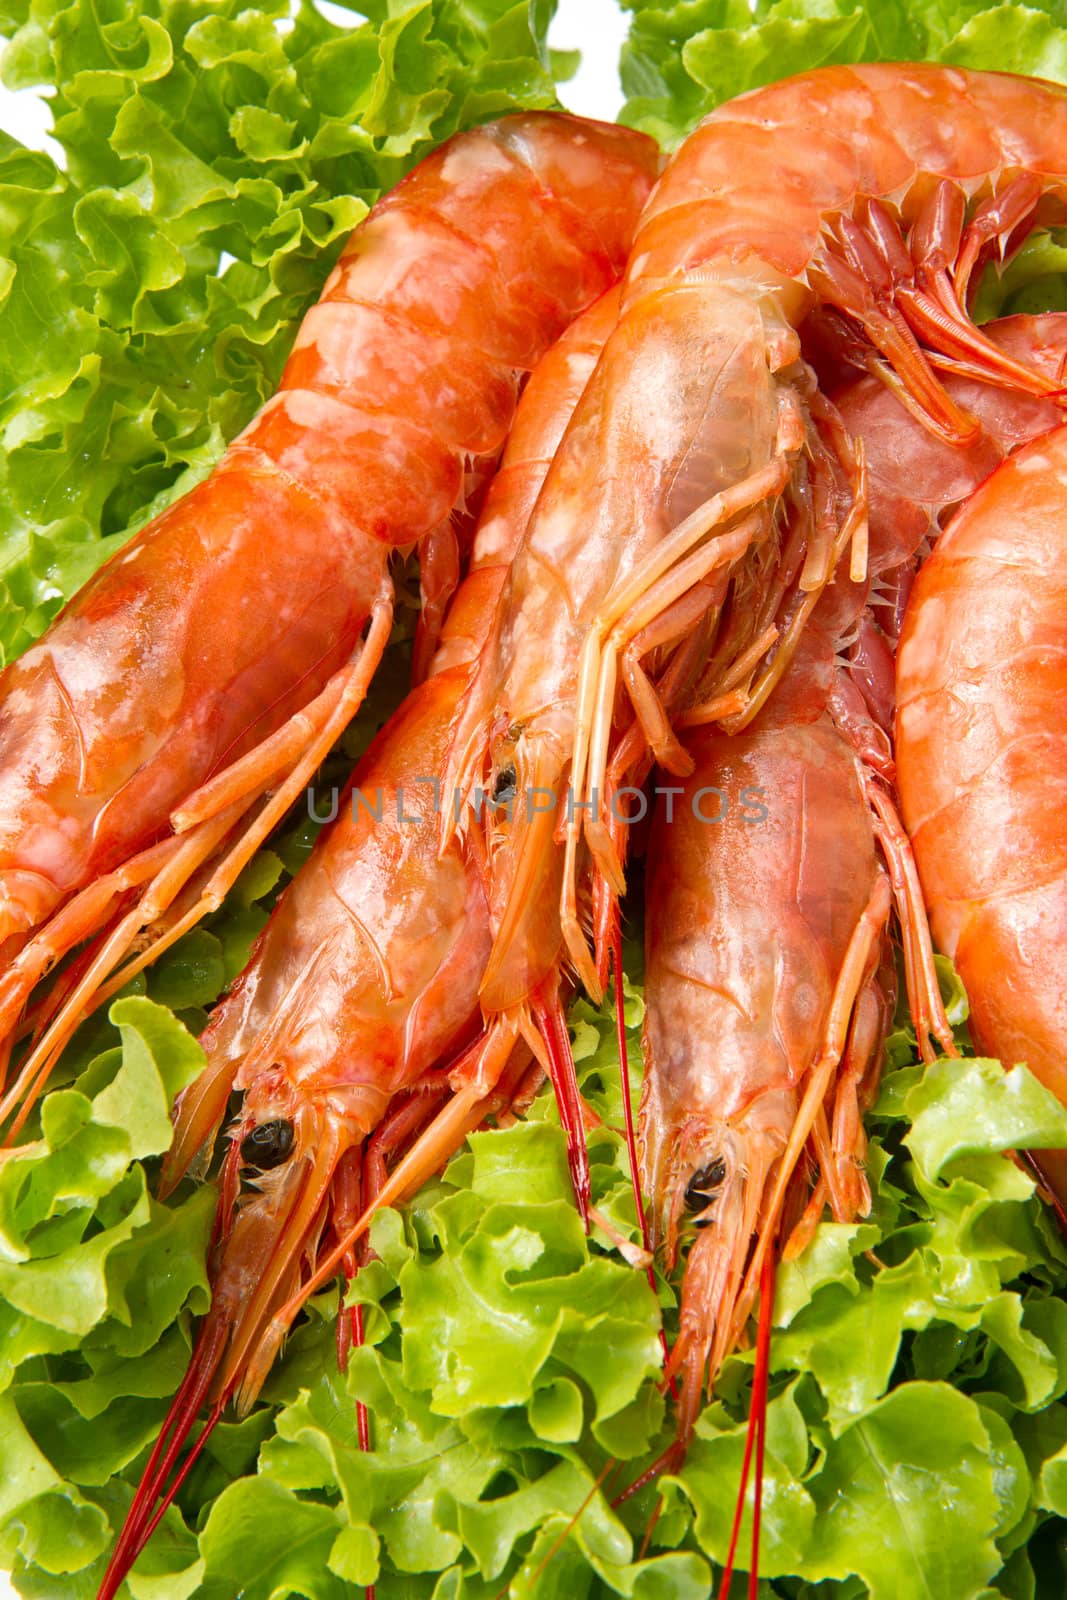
908, 290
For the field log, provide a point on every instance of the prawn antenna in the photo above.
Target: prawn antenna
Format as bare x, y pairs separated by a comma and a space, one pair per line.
153, 1490
628, 1115
548, 1014
557, 1544
362, 1414
755, 1439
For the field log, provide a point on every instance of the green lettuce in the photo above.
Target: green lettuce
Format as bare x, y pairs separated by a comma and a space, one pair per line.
682, 59
919, 1362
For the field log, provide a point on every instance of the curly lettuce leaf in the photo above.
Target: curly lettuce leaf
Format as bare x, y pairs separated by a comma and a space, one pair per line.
94, 1274
681, 59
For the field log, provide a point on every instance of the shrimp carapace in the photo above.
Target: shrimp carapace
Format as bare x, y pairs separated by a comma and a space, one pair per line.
354, 1035
982, 753
179, 704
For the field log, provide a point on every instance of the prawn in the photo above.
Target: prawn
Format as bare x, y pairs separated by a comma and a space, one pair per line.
981, 741
358, 1011
772, 872
704, 483
770, 981
769, 987
215, 659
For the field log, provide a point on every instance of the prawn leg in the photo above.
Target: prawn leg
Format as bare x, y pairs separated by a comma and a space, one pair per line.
670, 607
204, 835
861, 957
670, 570
192, 851
353, 690
247, 777
924, 991
855, 1089
79, 918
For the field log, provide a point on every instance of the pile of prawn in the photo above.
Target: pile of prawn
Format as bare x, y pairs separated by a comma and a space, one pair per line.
684, 547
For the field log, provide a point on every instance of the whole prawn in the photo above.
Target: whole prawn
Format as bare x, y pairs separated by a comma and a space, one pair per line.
704, 483
981, 740
218, 655
358, 1011
772, 872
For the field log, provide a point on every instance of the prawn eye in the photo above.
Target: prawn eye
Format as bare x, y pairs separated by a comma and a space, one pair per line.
705, 1184
504, 787
268, 1145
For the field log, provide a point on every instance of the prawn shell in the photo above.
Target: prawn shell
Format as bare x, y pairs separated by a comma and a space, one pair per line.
982, 753
877, 129
747, 922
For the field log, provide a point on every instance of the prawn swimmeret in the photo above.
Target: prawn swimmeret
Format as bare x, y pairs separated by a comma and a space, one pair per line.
215, 659
356, 1023
704, 483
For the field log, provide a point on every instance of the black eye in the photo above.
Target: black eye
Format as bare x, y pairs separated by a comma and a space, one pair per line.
705, 1184
268, 1145
504, 787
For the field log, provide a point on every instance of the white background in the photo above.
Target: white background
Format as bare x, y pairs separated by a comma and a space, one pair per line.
596, 27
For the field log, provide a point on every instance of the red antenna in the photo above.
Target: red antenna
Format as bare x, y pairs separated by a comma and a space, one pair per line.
756, 1436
